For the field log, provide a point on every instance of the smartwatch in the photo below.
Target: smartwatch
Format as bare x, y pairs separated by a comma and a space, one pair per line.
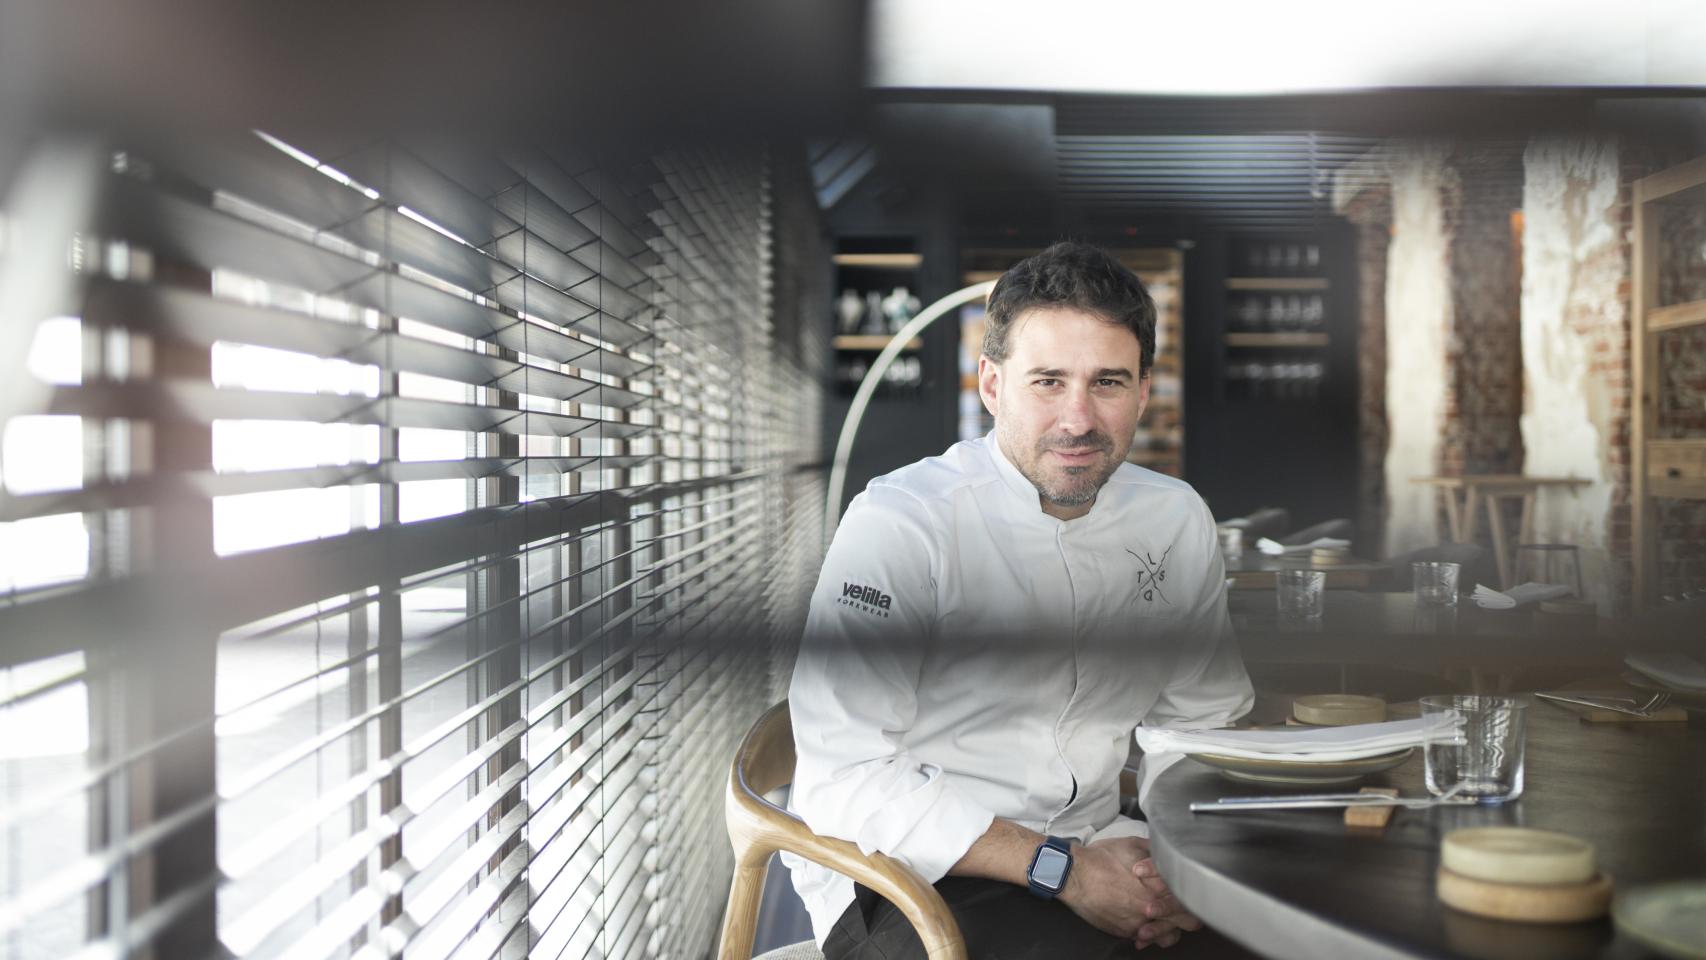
1049, 868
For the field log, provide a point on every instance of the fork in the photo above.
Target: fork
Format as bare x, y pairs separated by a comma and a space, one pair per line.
1653, 704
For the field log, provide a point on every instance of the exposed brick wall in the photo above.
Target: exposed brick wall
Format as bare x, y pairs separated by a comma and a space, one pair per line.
1482, 428
1371, 211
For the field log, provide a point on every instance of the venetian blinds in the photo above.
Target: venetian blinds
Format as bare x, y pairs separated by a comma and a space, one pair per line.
395, 540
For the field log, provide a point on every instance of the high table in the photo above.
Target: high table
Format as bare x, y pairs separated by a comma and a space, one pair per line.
1490, 488
1296, 884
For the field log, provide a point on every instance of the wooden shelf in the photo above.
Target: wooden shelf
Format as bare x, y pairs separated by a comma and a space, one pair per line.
1676, 316
1276, 340
1276, 283
880, 261
872, 341
1681, 183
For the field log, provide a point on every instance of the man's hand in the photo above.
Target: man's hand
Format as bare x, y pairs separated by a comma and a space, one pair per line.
1115, 887
1169, 920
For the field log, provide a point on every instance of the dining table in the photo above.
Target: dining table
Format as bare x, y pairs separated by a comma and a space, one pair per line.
1391, 629
1254, 570
1301, 885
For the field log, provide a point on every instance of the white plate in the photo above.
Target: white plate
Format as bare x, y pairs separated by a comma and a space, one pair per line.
1302, 772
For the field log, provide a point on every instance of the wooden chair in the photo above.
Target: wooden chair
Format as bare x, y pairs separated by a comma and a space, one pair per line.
759, 828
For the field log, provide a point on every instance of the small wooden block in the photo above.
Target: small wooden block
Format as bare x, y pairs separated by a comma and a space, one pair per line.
1371, 818
1528, 903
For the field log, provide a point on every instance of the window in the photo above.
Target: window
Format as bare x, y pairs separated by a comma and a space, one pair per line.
392, 550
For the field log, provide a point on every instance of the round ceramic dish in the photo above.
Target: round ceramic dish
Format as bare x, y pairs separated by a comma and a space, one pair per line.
1669, 918
1302, 773
1338, 709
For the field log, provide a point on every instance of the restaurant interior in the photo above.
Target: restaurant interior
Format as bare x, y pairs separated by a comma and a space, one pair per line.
421, 431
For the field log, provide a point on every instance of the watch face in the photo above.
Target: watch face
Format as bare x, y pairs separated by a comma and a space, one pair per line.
1050, 868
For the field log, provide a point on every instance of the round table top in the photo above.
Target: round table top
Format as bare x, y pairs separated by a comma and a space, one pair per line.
1298, 884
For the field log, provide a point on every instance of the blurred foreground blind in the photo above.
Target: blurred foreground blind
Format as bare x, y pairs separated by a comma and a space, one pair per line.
395, 540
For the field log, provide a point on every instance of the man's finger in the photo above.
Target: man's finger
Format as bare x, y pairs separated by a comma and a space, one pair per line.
1145, 868
1154, 930
1185, 921
1163, 907
1169, 939
1155, 885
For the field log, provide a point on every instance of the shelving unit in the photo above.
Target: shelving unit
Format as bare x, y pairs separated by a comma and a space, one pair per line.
1275, 344
877, 282
1670, 467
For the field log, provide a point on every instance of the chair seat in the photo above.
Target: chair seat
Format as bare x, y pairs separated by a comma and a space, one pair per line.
804, 950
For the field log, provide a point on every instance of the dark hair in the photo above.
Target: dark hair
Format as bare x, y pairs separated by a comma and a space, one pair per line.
1070, 274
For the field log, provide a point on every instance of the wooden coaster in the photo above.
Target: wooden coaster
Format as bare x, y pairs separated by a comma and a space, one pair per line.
1517, 855
1528, 903
1338, 709
1371, 818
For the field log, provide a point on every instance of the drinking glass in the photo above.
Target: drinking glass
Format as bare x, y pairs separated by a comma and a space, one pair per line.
1231, 544
1481, 753
1435, 583
1301, 593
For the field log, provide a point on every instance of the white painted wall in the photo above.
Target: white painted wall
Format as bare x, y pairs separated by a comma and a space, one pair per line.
1418, 320
1571, 267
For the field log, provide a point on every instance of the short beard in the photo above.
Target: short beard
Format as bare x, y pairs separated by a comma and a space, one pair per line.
1081, 483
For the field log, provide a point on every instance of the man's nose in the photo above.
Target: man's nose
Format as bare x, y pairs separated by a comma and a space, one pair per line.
1077, 416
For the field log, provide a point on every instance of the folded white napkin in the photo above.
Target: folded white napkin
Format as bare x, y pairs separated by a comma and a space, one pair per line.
1274, 548
1304, 743
1677, 670
1520, 595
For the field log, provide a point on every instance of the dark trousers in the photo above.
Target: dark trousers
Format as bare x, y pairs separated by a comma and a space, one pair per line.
999, 921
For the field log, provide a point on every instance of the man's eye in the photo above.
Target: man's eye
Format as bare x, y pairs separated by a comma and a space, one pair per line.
1106, 382
1047, 382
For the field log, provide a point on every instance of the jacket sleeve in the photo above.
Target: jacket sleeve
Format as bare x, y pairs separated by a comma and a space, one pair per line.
1209, 686
854, 694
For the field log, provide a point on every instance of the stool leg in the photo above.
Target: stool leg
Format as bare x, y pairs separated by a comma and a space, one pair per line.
1500, 549
1525, 529
1471, 506
1453, 514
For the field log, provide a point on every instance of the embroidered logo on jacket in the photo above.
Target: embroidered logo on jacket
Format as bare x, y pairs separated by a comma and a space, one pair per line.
1153, 575
869, 599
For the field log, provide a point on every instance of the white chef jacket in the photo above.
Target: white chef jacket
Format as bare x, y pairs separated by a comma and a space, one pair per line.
968, 656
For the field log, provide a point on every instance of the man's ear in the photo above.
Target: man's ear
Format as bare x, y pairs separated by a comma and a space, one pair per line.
989, 384
1143, 394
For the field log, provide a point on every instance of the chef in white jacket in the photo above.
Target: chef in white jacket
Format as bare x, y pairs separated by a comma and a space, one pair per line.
990, 626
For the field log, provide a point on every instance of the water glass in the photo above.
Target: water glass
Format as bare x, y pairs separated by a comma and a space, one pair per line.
1436, 583
1301, 593
1231, 544
1483, 757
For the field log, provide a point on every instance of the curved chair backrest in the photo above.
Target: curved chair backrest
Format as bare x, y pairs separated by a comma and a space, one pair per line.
759, 828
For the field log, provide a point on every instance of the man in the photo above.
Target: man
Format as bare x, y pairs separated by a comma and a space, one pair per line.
991, 625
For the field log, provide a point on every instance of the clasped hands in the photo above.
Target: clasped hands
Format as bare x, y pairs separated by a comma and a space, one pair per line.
1115, 886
